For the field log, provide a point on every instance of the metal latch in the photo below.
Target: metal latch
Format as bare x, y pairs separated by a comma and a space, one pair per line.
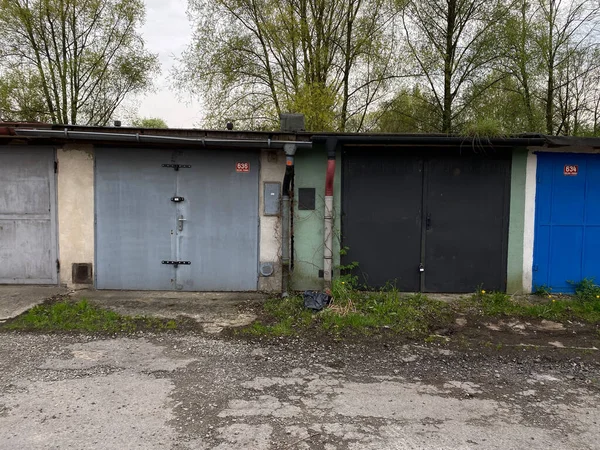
177, 199
180, 223
177, 166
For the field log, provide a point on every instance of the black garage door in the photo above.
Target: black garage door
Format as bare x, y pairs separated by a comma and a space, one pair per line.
430, 221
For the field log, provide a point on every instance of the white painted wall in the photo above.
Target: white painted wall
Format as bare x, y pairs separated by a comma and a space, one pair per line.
75, 208
529, 228
272, 169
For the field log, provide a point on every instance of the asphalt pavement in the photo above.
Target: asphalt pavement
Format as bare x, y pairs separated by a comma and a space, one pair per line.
187, 390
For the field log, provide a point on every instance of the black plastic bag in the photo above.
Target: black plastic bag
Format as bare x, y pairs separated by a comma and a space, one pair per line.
316, 300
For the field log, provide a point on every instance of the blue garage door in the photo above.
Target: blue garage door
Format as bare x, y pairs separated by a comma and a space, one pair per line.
567, 220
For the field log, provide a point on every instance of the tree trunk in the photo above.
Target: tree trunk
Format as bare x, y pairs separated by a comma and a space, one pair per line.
550, 81
523, 69
448, 68
550, 101
347, 66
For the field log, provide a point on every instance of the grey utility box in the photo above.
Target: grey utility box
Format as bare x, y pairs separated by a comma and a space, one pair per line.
291, 123
272, 198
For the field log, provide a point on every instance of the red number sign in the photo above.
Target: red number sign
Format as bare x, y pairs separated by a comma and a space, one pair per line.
242, 167
571, 170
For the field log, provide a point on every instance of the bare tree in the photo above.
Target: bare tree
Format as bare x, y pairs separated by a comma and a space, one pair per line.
87, 54
522, 60
252, 59
453, 43
577, 91
566, 29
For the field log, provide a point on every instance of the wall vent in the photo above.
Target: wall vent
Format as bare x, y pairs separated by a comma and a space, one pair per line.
82, 273
267, 269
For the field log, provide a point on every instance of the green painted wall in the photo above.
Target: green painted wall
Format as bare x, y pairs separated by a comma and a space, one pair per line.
516, 228
310, 168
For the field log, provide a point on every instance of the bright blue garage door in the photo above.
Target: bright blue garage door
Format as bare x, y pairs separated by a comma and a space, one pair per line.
567, 220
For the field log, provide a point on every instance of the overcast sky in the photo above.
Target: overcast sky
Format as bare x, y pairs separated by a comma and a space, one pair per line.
167, 32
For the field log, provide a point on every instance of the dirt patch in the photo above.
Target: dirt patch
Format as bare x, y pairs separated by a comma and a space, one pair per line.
488, 337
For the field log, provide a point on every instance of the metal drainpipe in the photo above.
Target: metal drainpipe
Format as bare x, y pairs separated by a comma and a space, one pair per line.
290, 151
331, 146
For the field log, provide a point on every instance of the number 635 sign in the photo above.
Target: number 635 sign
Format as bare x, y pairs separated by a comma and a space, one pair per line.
242, 167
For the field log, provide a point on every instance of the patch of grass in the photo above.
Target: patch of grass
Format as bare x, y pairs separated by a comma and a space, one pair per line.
283, 318
82, 316
353, 312
490, 304
412, 315
557, 309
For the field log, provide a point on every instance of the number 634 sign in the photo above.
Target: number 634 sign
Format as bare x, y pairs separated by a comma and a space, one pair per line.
570, 170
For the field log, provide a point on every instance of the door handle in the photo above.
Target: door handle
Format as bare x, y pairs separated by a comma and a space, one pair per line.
428, 222
180, 223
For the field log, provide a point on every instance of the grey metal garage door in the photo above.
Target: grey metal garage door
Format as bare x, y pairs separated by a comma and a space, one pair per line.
27, 216
176, 220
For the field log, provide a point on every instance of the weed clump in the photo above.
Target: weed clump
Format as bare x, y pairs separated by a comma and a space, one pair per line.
82, 316
586, 290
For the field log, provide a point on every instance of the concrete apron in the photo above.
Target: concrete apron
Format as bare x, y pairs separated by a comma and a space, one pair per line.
214, 311
16, 299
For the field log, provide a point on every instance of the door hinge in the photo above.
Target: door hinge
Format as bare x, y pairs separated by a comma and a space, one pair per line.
55, 166
535, 268
58, 265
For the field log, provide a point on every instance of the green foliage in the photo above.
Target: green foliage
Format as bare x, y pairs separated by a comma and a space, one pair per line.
542, 290
344, 285
484, 128
252, 60
21, 98
497, 303
83, 316
479, 68
411, 315
286, 317
87, 56
149, 122
317, 103
353, 312
407, 112
558, 309
454, 45
586, 290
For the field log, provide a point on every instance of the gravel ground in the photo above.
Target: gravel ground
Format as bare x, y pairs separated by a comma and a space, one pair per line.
189, 390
